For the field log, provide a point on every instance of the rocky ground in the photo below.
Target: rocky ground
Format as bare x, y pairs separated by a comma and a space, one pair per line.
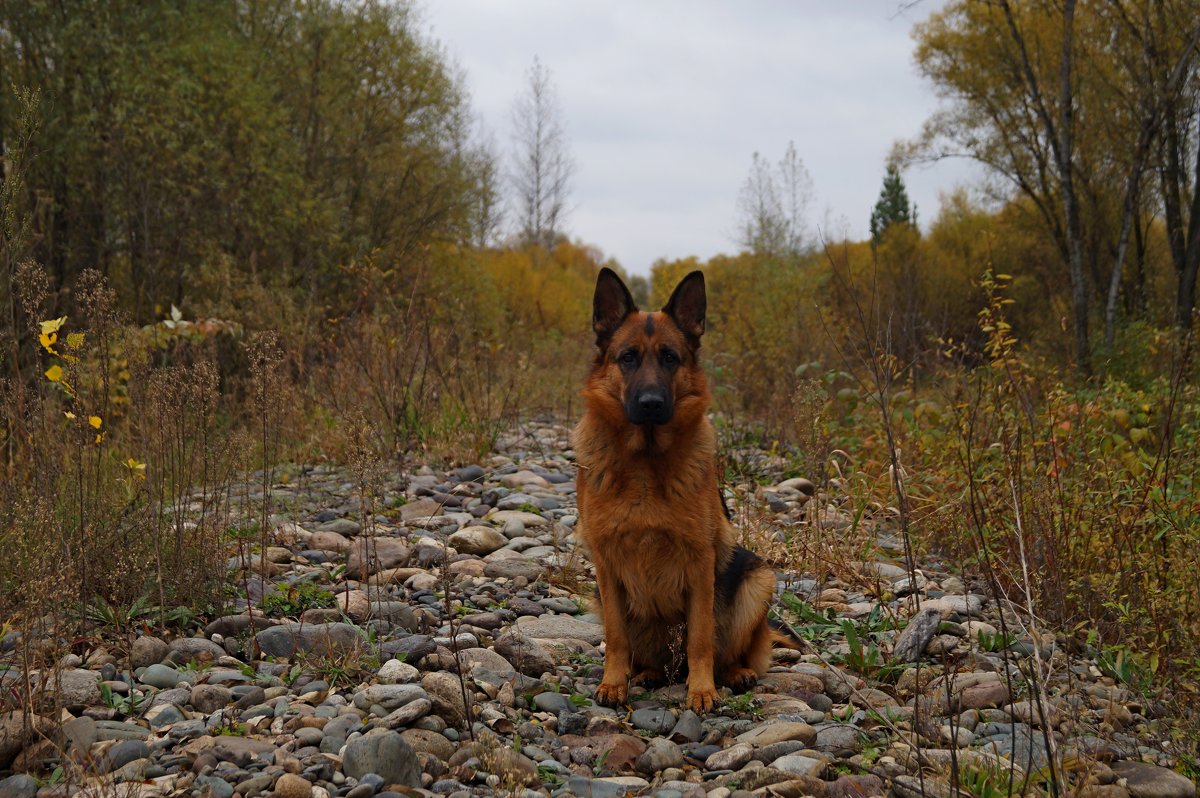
910, 685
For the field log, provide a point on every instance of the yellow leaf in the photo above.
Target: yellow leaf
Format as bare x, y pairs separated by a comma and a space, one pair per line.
95, 421
54, 373
69, 414
53, 325
75, 340
47, 340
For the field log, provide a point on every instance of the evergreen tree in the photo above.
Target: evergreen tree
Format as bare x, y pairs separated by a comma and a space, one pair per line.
893, 205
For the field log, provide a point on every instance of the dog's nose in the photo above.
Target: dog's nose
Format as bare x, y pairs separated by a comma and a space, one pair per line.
651, 402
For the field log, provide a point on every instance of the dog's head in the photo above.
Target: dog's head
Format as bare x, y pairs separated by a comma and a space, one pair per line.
648, 360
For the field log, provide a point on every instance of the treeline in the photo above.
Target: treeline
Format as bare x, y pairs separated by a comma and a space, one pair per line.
219, 154
1088, 112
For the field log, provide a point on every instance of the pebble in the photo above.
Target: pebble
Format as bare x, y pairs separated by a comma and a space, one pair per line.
299, 726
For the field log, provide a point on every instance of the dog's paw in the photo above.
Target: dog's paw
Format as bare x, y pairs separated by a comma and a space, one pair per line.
610, 695
701, 699
741, 679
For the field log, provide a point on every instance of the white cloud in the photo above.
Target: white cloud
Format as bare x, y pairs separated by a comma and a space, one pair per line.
665, 102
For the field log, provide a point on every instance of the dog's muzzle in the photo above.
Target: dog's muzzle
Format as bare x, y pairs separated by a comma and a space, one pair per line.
649, 407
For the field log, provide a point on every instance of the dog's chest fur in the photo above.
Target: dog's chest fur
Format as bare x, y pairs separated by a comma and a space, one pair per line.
630, 517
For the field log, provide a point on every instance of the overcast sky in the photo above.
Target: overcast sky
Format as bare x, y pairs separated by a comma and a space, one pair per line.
665, 102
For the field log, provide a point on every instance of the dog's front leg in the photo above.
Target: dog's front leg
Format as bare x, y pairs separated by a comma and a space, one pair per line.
702, 691
614, 686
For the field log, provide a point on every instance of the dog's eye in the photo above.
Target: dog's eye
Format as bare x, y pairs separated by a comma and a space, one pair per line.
669, 357
628, 357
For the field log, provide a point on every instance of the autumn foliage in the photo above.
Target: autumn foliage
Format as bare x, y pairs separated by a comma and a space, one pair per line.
222, 248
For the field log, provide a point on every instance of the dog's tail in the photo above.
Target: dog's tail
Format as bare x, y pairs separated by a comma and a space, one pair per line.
785, 636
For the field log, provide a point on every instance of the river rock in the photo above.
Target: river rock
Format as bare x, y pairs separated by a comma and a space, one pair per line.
479, 540
556, 627
1152, 781
385, 754
328, 639
14, 735
146, 650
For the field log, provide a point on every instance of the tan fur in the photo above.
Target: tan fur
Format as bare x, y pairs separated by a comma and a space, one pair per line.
651, 514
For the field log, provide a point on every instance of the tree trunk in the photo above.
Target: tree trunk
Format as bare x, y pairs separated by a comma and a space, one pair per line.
1114, 283
1066, 167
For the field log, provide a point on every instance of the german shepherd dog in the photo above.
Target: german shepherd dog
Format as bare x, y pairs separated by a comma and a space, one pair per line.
651, 510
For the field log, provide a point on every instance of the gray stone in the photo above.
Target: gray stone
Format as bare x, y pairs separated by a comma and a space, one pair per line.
290, 785
410, 648
176, 695
799, 764
657, 720
183, 650
146, 650
217, 787
385, 754
968, 606
502, 517
920, 630
689, 728
1023, 745
838, 737
553, 702
595, 788
161, 715
76, 688
512, 568
394, 612
506, 763
208, 698
395, 671
855, 786
410, 712
906, 786
254, 784
559, 604
81, 732
328, 639
120, 730
659, 755
235, 625
424, 741
1150, 781
527, 655
388, 696
14, 735
445, 691
420, 510
478, 540
470, 473
555, 627
372, 555
473, 658
769, 733
769, 753
731, 758
341, 526
164, 677
121, 754
308, 736
18, 786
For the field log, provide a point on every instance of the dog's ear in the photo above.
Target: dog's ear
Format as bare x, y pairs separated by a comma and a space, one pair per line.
688, 305
610, 305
